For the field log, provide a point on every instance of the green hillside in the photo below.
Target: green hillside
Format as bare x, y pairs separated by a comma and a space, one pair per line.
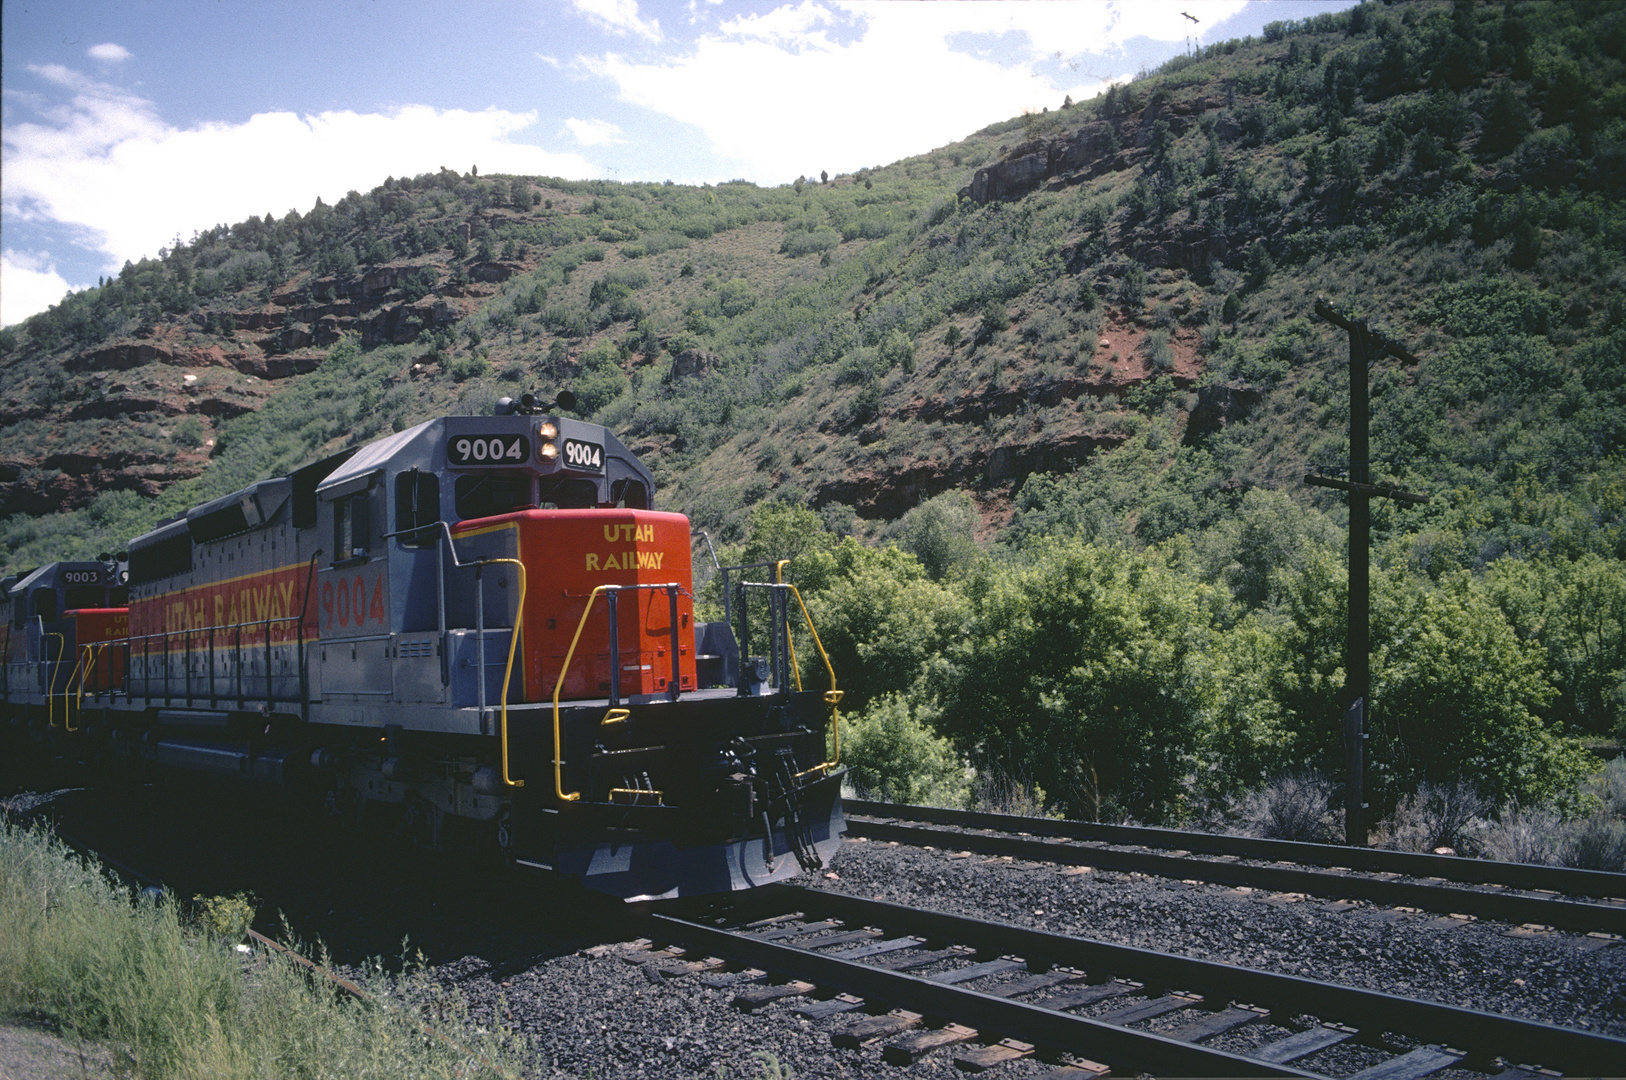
1077, 347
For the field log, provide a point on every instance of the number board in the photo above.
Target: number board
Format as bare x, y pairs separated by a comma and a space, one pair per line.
488, 449
586, 456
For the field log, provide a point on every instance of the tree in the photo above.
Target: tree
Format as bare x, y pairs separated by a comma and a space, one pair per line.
1132, 287
1507, 121
940, 532
1315, 166
1455, 694
1078, 670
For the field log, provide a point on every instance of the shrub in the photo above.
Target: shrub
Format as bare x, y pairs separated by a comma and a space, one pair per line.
227, 917
1158, 351
1524, 836
190, 432
1596, 842
806, 243
470, 368
1293, 807
1132, 287
895, 756
1438, 815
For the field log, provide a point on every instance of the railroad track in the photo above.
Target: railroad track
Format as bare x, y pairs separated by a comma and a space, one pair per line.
911, 982
1518, 893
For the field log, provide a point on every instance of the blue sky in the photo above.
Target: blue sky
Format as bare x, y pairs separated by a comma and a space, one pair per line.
126, 124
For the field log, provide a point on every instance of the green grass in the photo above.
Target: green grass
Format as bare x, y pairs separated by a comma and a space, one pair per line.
80, 953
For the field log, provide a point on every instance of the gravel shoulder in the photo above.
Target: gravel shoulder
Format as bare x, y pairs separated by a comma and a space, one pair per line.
29, 1052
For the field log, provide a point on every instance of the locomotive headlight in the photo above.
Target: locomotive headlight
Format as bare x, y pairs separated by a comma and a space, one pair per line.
546, 450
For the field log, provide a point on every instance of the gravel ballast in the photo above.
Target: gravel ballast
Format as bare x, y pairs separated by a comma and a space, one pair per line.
529, 956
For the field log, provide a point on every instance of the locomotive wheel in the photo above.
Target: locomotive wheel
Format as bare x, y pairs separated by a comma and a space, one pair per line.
505, 837
420, 823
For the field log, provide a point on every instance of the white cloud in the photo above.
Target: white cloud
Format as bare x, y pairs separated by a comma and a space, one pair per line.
791, 25
109, 52
594, 132
620, 17
29, 284
901, 86
108, 164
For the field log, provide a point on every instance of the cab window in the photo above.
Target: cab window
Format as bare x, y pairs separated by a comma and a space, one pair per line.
417, 506
569, 495
478, 495
351, 528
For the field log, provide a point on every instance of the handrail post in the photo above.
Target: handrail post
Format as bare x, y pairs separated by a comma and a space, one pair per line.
304, 667
614, 594
782, 623
745, 644
440, 603
211, 667
241, 699
674, 688
558, 687
480, 638
269, 696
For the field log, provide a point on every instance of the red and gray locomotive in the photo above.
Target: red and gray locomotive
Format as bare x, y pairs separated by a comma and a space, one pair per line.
475, 631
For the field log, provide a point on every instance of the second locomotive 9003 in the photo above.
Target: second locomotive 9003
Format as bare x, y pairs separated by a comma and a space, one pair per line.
476, 631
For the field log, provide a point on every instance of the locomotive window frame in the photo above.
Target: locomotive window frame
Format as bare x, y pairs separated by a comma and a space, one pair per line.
352, 528
630, 493
478, 494
568, 493
417, 507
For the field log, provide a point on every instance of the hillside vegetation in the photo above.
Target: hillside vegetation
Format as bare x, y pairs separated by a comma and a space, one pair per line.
1034, 408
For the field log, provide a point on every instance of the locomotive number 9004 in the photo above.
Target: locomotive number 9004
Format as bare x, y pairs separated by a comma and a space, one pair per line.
584, 455
494, 449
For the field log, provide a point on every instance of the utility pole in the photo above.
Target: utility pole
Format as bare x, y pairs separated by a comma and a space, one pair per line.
1364, 346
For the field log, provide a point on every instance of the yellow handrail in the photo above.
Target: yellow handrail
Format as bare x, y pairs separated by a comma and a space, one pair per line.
508, 671
832, 696
558, 747
795, 667
92, 652
50, 683
87, 661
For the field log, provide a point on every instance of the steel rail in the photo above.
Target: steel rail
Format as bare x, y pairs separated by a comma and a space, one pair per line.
1120, 1047
1484, 1036
1578, 915
1559, 879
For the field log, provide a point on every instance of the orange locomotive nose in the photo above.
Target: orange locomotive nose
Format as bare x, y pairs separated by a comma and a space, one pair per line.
568, 554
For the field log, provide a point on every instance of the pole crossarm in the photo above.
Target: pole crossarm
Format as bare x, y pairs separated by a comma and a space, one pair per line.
1384, 347
1381, 491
